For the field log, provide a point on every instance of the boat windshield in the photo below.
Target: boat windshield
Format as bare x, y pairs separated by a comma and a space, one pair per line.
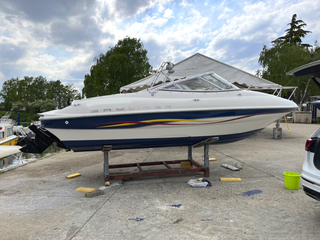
207, 82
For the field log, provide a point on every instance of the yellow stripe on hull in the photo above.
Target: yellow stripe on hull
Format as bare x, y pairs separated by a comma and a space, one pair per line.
10, 142
159, 120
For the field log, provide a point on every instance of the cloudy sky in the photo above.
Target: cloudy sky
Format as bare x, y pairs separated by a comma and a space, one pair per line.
59, 39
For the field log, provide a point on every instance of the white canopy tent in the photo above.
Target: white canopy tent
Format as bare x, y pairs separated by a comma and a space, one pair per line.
199, 63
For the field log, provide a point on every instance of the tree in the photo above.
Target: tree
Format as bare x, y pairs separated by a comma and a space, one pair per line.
315, 51
294, 33
35, 107
124, 63
70, 94
61, 94
287, 53
31, 91
9, 92
38, 89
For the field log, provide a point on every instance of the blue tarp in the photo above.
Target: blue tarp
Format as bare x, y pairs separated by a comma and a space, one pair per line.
314, 106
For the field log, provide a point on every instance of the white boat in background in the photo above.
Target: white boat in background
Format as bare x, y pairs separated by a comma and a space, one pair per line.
7, 136
177, 112
8, 141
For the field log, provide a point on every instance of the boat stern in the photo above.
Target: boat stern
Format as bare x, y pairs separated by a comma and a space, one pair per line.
42, 140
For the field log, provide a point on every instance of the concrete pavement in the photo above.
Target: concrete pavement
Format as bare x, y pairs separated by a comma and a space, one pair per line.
38, 202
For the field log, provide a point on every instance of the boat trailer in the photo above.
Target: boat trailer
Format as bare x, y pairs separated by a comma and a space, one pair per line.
186, 166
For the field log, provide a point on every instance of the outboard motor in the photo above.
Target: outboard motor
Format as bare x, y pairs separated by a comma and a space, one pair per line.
43, 139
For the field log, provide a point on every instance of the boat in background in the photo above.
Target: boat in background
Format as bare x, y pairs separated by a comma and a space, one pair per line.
180, 111
7, 136
8, 141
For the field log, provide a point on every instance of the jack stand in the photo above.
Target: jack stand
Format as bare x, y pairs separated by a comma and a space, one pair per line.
277, 131
205, 144
106, 149
206, 160
205, 156
189, 152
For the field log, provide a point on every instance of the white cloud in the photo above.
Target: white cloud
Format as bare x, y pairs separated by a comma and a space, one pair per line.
241, 38
1, 76
227, 12
184, 3
162, 3
61, 44
168, 13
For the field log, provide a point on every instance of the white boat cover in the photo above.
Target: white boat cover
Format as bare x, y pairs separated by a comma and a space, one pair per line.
197, 64
6, 151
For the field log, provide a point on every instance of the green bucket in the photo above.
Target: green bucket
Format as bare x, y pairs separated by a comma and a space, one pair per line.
291, 180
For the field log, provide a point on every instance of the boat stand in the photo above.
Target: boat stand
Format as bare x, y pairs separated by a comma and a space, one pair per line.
186, 166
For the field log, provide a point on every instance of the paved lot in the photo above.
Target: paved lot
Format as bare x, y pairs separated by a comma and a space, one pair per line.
38, 202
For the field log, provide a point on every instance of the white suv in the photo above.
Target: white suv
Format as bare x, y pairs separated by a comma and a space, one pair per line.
310, 177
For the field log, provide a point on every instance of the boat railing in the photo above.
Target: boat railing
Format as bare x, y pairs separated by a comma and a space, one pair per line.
164, 66
278, 91
20, 131
6, 119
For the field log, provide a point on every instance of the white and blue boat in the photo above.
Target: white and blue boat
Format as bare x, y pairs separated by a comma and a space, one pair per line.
180, 111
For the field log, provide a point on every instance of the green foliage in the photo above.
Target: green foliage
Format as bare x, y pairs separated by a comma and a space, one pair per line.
35, 107
124, 63
25, 117
2, 113
287, 53
295, 33
36, 94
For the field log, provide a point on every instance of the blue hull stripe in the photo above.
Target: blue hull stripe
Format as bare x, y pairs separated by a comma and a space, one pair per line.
79, 146
141, 120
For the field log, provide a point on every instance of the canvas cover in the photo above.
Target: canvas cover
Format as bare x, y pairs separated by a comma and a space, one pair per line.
200, 63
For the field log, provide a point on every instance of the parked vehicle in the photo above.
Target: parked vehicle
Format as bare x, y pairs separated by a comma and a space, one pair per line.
310, 177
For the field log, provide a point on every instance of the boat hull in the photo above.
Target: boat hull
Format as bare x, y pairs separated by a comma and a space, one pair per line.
165, 129
95, 145
9, 141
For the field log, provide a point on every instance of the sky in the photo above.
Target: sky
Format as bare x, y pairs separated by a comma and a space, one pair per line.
59, 39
